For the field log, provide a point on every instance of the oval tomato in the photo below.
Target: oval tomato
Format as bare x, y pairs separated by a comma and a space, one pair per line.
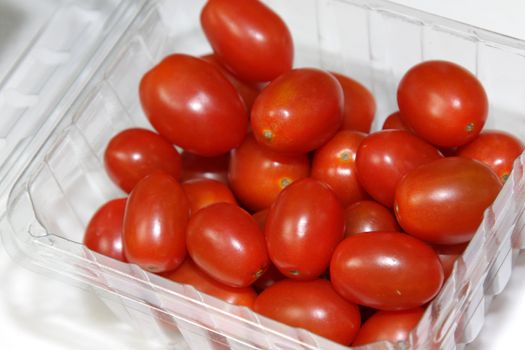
394, 121
204, 192
248, 38
334, 164
257, 174
368, 216
192, 104
303, 227
134, 153
104, 230
384, 157
312, 305
226, 242
386, 270
443, 103
198, 167
443, 202
155, 222
299, 111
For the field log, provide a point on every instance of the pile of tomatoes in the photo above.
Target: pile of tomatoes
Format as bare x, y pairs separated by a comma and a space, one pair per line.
278, 198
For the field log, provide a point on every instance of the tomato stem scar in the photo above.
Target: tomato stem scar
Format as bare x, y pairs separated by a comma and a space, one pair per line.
285, 182
469, 127
294, 272
267, 134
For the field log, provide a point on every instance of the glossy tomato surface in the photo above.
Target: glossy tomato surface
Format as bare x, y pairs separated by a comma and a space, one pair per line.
334, 164
155, 222
393, 326
134, 153
303, 227
204, 192
189, 273
248, 38
192, 104
368, 216
104, 230
384, 157
443, 103
226, 242
386, 270
258, 174
443, 202
394, 121
299, 111
198, 167
312, 305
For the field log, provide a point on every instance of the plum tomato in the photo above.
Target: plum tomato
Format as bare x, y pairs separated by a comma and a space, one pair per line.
384, 157
312, 305
155, 222
104, 231
448, 254
497, 149
299, 111
257, 174
198, 167
303, 227
393, 121
334, 164
226, 242
443, 103
192, 104
393, 326
204, 192
369, 216
248, 38
443, 202
134, 153
359, 106
189, 273
386, 270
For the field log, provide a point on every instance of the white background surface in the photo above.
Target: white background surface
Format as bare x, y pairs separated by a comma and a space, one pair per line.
40, 313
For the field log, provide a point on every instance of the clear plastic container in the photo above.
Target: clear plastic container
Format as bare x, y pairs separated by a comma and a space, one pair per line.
72, 90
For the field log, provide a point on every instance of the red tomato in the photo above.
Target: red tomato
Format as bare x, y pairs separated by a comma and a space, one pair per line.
226, 242
271, 276
192, 104
299, 111
197, 167
134, 153
260, 218
248, 38
384, 157
393, 121
497, 149
303, 227
204, 192
155, 223
393, 326
368, 216
189, 273
443, 103
359, 106
448, 254
334, 164
443, 202
104, 230
257, 174
312, 305
386, 270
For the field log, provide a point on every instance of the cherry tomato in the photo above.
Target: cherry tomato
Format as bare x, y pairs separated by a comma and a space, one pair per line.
393, 326
303, 227
448, 254
384, 157
197, 167
226, 242
334, 164
248, 38
155, 222
394, 121
192, 104
443, 103
189, 273
368, 216
386, 270
299, 111
359, 106
497, 149
443, 202
257, 174
204, 192
104, 230
312, 305
134, 153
